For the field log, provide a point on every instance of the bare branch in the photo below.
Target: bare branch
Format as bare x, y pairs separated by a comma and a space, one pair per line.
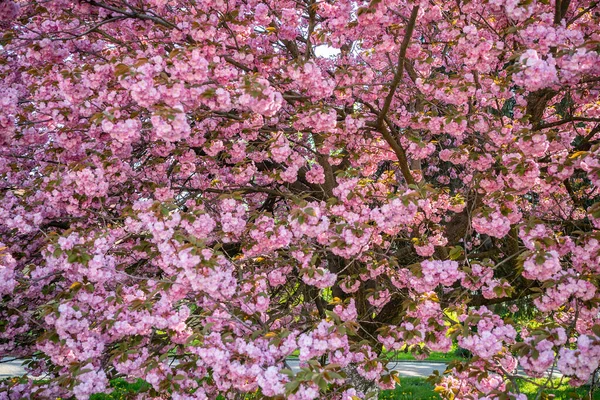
539, 127
410, 27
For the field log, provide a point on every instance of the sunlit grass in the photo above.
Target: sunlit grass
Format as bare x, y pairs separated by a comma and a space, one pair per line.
122, 390
558, 388
419, 388
409, 389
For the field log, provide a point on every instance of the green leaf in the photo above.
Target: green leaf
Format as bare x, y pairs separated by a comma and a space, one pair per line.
292, 386
73, 257
121, 69
321, 382
456, 252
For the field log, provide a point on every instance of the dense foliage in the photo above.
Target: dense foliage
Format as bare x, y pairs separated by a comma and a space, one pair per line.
192, 190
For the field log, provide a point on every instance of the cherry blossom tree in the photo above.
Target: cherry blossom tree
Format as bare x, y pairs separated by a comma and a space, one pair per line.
193, 190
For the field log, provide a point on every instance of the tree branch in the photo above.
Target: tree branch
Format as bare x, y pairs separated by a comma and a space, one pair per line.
539, 127
410, 27
582, 13
132, 14
382, 117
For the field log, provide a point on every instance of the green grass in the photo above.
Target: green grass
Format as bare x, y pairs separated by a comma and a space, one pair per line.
409, 389
123, 390
419, 388
560, 389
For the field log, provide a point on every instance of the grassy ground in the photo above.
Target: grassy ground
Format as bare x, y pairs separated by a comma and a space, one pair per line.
409, 389
560, 390
419, 388
122, 390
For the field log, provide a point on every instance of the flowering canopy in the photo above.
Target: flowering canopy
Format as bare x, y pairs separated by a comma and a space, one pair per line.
193, 190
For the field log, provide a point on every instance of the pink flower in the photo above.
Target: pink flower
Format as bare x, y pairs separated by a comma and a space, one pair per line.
316, 174
542, 266
320, 277
496, 224
536, 72
434, 273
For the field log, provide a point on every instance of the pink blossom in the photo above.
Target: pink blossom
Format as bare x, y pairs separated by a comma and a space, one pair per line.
537, 73
544, 270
